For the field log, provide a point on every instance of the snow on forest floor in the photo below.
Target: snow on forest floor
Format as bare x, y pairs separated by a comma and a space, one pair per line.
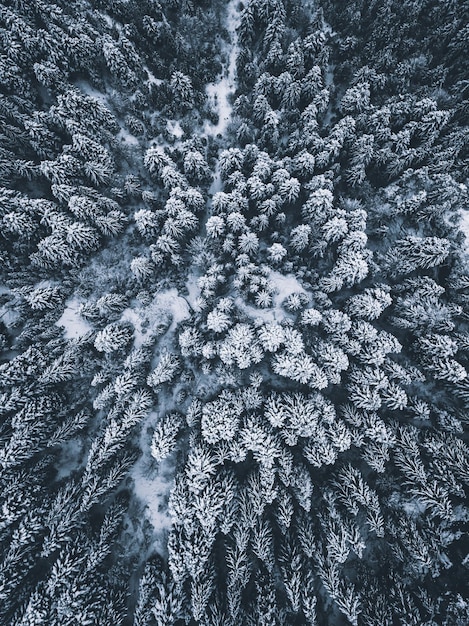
217, 183
152, 484
285, 285
88, 90
166, 306
127, 137
152, 78
8, 315
178, 306
174, 127
464, 225
220, 91
75, 326
193, 291
154, 481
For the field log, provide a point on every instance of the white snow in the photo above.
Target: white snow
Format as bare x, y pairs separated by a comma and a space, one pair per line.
264, 315
194, 291
178, 306
110, 21
217, 183
75, 326
84, 86
153, 483
220, 91
152, 78
285, 285
146, 319
133, 316
329, 79
127, 137
174, 127
464, 224
8, 315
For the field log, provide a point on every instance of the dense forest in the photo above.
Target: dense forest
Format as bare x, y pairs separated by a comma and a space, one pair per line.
234, 313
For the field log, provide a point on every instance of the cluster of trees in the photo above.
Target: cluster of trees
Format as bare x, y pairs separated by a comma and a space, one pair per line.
308, 382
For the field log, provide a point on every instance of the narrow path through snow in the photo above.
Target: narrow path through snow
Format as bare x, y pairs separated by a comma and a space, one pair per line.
220, 91
153, 483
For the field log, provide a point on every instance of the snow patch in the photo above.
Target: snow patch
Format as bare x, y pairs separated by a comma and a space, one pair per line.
217, 183
133, 316
220, 91
175, 304
263, 315
127, 137
87, 89
146, 320
285, 285
152, 78
111, 23
193, 291
174, 127
7, 313
464, 225
152, 485
75, 326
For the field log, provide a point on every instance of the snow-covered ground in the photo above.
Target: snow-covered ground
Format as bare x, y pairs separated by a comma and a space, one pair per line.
135, 318
464, 224
220, 91
153, 482
7, 313
174, 127
152, 78
87, 89
166, 304
152, 485
193, 290
127, 137
174, 303
75, 326
285, 286
217, 183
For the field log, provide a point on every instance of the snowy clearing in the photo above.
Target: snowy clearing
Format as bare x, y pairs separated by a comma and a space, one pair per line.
87, 89
133, 316
193, 291
146, 319
8, 315
220, 91
75, 326
175, 304
285, 285
153, 483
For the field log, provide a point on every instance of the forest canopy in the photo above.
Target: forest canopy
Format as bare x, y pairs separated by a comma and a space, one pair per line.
234, 313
